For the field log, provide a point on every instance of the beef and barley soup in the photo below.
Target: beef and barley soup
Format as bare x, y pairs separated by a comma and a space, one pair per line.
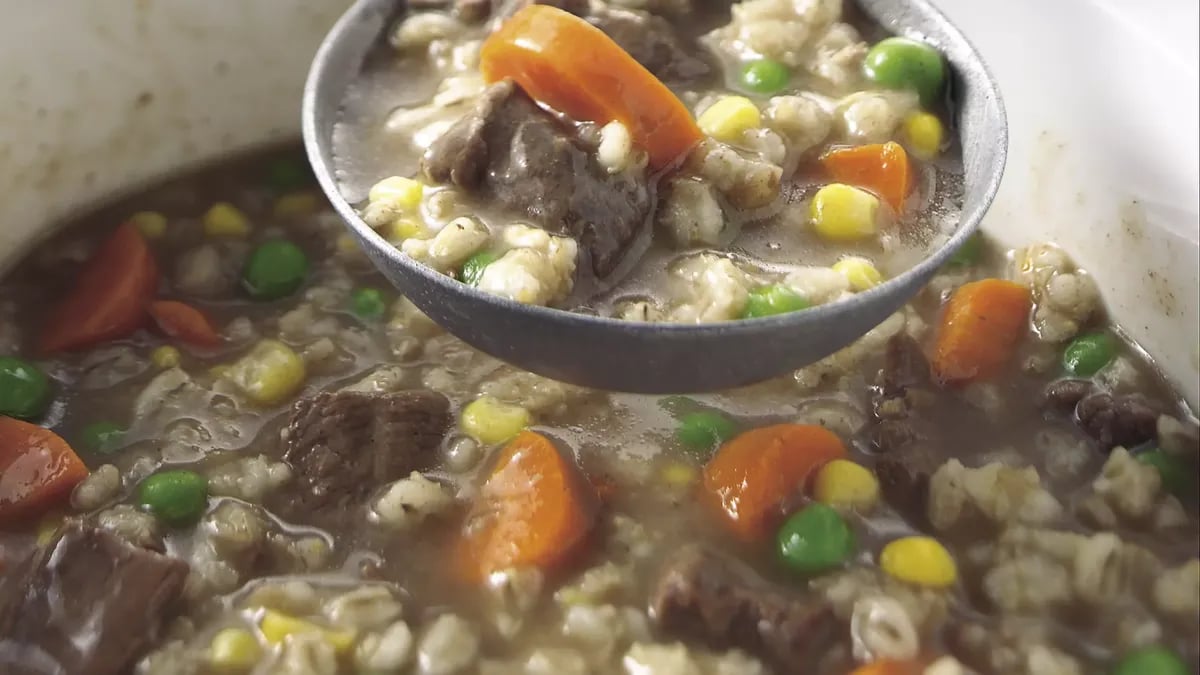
228, 447
660, 162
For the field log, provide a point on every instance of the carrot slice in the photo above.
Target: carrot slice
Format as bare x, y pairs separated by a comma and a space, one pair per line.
882, 168
752, 475
109, 298
38, 470
535, 509
185, 323
573, 67
979, 330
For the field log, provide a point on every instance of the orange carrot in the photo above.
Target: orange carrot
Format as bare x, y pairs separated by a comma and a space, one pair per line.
891, 667
979, 331
185, 323
573, 67
109, 298
752, 474
38, 470
535, 509
881, 168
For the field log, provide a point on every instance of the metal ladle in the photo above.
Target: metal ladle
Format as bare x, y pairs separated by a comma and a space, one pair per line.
657, 358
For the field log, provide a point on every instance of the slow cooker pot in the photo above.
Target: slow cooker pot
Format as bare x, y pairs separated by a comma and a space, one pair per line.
101, 98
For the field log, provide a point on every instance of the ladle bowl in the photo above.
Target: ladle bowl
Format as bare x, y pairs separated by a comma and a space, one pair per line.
658, 358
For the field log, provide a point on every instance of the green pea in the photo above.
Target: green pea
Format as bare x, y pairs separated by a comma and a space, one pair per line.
102, 437
1178, 475
814, 540
969, 253
286, 175
473, 268
765, 76
1087, 354
772, 300
704, 431
275, 270
24, 389
175, 497
368, 303
1151, 661
901, 63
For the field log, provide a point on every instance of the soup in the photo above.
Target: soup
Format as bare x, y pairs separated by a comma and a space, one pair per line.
661, 163
228, 447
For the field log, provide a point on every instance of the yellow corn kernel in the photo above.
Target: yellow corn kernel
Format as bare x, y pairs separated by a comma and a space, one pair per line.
269, 373
729, 118
295, 205
234, 650
404, 193
405, 228
47, 526
165, 357
924, 134
842, 483
152, 224
860, 272
844, 213
277, 626
919, 560
679, 474
225, 220
490, 421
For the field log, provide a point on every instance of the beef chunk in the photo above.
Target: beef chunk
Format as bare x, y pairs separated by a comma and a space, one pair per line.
891, 435
652, 42
510, 152
904, 366
345, 444
87, 603
1113, 420
1063, 395
904, 481
905, 372
1110, 419
703, 596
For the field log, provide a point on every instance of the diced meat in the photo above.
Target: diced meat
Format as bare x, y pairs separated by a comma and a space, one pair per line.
1063, 395
888, 435
904, 481
510, 152
1110, 419
1125, 420
343, 445
652, 42
87, 603
703, 596
904, 366
904, 370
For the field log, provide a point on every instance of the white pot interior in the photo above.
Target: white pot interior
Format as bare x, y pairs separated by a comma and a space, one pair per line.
1103, 157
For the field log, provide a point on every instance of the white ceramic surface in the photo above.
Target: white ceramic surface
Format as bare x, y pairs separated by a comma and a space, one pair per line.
1101, 95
